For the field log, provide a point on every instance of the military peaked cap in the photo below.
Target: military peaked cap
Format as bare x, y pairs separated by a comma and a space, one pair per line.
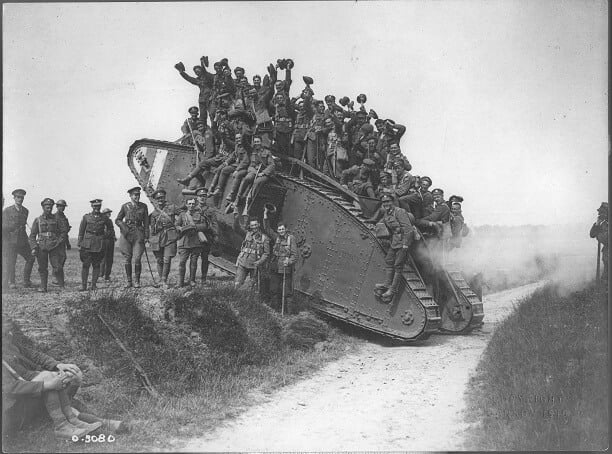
428, 179
134, 189
61, 202
386, 198
437, 191
456, 198
330, 98
201, 191
47, 201
193, 109
159, 192
96, 202
456, 204
238, 68
20, 192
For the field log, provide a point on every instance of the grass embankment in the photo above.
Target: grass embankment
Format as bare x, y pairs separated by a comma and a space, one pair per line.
542, 383
218, 347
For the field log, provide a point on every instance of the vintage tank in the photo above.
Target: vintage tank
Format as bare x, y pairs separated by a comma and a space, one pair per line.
340, 258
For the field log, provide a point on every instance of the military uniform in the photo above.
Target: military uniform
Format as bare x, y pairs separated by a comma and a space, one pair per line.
254, 253
284, 251
133, 221
66, 227
190, 243
94, 228
163, 238
599, 230
106, 265
15, 242
401, 230
284, 117
46, 237
205, 83
260, 170
212, 233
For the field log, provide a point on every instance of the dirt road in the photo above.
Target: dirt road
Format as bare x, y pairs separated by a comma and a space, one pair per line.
382, 398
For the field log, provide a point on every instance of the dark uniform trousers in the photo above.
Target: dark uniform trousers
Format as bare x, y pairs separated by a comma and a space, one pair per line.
47, 237
14, 243
133, 220
93, 231
106, 265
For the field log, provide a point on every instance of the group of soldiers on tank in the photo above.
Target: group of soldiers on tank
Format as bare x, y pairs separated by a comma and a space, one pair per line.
253, 124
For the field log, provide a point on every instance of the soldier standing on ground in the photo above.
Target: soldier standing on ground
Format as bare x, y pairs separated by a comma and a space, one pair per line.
191, 225
254, 253
401, 230
163, 235
133, 221
94, 228
212, 231
106, 265
45, 239
15, 241
599, 230
282, 261
64, 226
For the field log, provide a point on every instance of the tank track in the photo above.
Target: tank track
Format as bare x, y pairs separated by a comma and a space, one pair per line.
470, 302
412, 279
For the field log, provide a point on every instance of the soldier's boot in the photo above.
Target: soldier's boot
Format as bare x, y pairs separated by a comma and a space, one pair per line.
62, 428
193, 269
27, 272
54, 281
95, 273
137, 271
388, 281
128, 274
388, 295
182, 269
60, 278
84, 277
108, 425
43, 282
193, 174
160, 270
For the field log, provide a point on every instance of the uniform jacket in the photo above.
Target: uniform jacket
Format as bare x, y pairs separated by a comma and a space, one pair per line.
404, 184
363, 188
263, 158
456, 223
133, 220
282, 249
188, 237
210, 215
441, 212
64, 225
93, 230
47, 232
187, 124
399, 226
254, 251
205, 82
303, 120
26, 363
13, 225
161, 224
600, 231
284, 117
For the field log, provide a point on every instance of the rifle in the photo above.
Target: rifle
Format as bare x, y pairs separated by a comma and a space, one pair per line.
195, 145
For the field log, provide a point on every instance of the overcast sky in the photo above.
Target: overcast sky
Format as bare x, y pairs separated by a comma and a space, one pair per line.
505, 101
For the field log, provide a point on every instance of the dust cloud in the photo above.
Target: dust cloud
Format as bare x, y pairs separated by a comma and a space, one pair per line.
509, 256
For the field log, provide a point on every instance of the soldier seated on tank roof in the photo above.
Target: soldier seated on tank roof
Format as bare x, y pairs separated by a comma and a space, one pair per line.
433, 223
353, 172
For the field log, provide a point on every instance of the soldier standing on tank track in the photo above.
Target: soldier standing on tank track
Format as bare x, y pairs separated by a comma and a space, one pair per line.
94, 228
45, 239
401, 230
15, 241
212, 231
133, 221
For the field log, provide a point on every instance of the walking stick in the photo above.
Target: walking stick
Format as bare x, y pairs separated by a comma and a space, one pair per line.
598, 261
155, 284
283, 294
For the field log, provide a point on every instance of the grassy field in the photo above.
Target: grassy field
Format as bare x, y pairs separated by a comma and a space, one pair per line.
542, 383
220, 351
